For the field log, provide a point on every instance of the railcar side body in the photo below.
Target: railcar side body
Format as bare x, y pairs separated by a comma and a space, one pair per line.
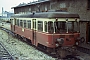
50, 29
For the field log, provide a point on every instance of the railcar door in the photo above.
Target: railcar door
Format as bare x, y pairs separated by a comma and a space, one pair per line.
13, 24
34, 31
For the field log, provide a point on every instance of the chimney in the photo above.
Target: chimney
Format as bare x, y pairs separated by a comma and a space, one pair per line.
2, 11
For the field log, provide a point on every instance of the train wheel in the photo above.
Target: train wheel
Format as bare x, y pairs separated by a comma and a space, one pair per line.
74, 51
61, 53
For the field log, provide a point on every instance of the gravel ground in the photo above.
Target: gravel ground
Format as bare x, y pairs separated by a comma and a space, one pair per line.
83, 56
20, 50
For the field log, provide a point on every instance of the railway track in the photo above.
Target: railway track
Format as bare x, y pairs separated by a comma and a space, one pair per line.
83, 49
68, 57
4, 54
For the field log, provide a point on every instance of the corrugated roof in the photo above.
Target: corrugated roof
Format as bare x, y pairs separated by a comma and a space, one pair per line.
31, 3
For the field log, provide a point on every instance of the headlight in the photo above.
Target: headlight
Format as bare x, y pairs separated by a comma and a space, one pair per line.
57, 45
77, 43
60, 40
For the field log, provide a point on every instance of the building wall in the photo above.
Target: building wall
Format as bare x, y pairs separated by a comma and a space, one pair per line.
44, 6
59, 5
83, 29
75, 6
80, 7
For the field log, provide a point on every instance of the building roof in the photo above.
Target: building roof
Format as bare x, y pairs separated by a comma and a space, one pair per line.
31, 3
47, 15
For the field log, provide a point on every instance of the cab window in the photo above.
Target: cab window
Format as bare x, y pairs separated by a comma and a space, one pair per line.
60, 26
50, 27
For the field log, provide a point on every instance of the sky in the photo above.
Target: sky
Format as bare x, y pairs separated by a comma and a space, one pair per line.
7, 4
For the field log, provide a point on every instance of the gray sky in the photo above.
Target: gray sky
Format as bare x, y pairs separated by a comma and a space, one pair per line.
7, 4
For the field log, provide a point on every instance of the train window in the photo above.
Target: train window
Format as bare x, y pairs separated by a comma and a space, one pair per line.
60, 26
45, 25
40, 25
76, 27
21, 23
70, 26
25, 23
29, 24
17, 23
50, 27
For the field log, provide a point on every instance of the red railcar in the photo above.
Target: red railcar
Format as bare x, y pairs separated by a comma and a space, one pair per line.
52, 30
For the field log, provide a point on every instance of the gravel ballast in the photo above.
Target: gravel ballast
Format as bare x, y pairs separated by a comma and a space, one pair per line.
20, 50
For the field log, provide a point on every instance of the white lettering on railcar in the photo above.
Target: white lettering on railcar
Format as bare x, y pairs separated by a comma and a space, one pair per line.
23, 29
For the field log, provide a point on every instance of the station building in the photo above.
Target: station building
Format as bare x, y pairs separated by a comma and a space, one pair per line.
81, 7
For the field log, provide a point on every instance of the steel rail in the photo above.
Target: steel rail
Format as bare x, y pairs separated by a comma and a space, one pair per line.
4, 54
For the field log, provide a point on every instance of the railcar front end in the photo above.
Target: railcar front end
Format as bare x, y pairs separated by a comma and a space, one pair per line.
63, 32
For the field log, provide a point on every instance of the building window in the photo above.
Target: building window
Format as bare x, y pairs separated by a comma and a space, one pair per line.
88, 5
40, 25
29, 24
